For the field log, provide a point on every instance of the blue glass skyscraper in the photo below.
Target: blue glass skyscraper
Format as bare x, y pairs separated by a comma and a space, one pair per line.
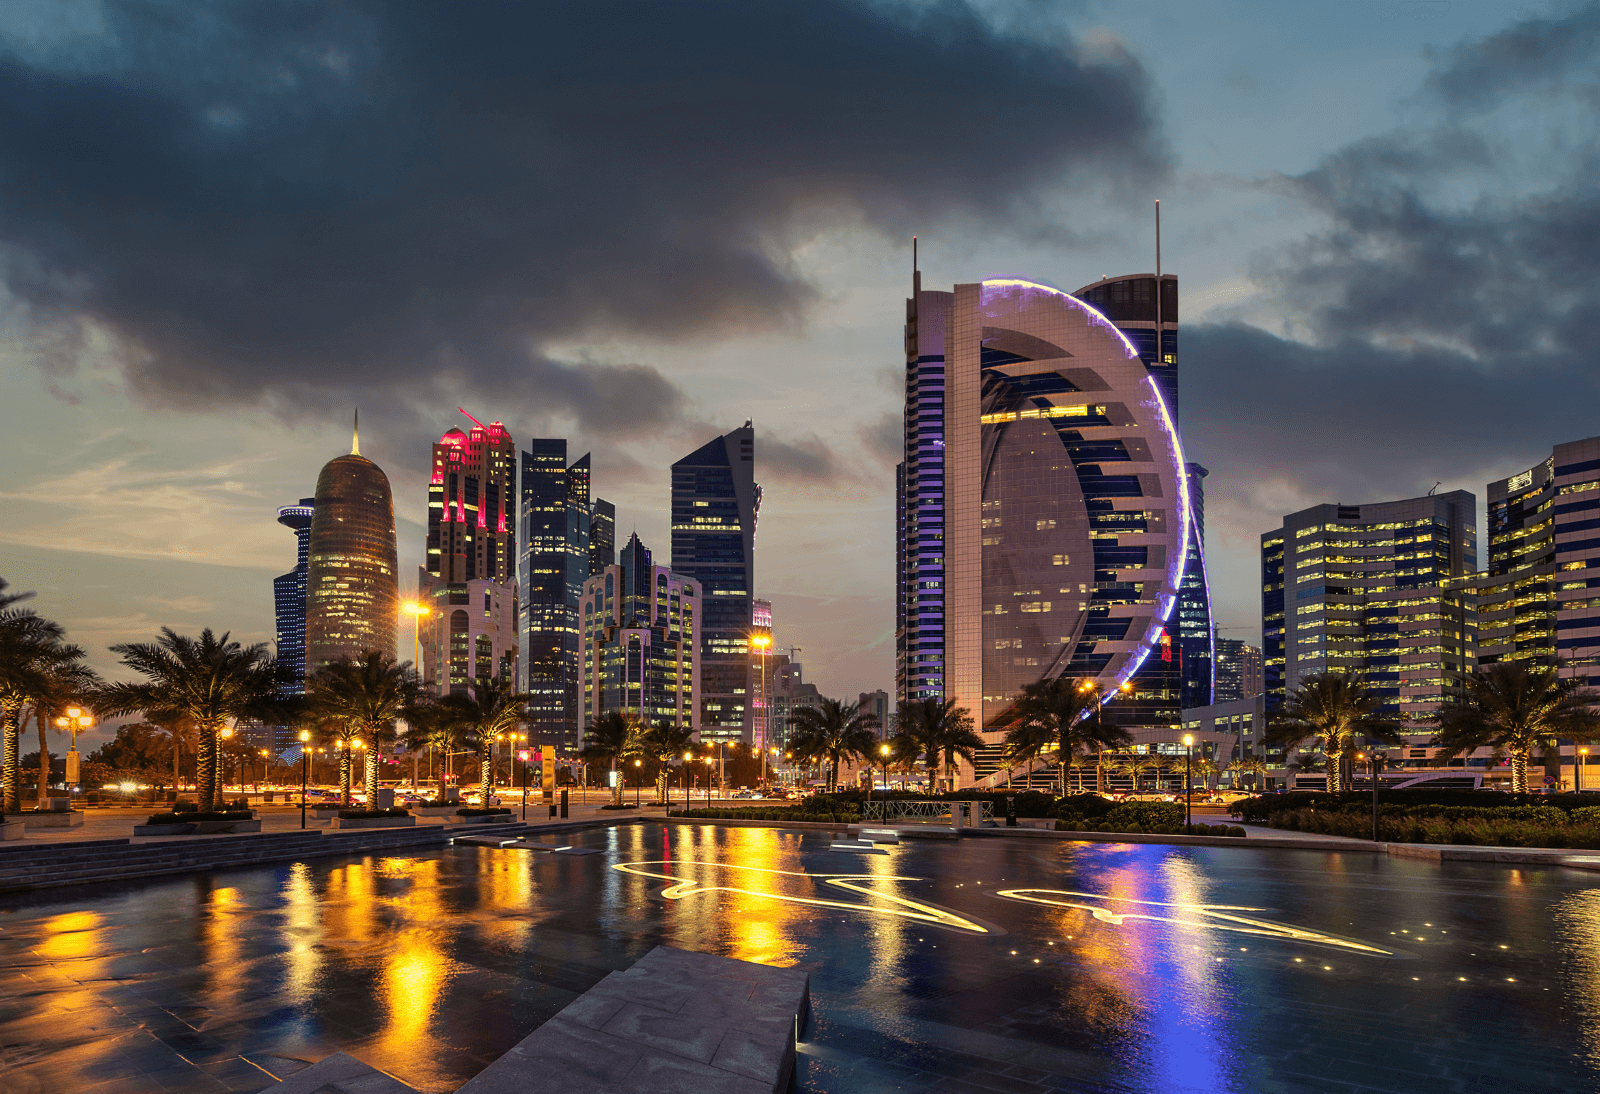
289, 599
715, 504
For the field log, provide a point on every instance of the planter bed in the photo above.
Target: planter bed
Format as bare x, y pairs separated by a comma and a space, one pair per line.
489, 818
203, 827
374, 822
53, 820
164, 829
12, 830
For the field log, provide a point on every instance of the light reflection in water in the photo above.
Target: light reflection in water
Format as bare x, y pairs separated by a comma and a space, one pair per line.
781, 885
1218, 917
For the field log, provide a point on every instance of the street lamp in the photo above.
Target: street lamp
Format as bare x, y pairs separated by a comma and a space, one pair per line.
1373, 774
1099, 767
1188, 778
1583, 761
883, 750
688, 780
305, 760
637, 776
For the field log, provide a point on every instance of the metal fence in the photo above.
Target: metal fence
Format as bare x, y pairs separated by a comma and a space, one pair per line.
915, 811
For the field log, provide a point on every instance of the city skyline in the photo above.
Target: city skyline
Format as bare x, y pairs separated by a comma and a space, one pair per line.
159, 511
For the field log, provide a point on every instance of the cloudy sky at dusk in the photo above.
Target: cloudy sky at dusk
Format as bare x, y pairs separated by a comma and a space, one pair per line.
638, 224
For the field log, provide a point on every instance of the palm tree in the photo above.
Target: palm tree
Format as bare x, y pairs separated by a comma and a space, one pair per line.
613, 738
30, 646
358, 701
1207, 769
832, 731
432, 724
488, 711
1058, 712
663, 742
1516, 707
937, 731
1248, 765
208, 680
1332, 710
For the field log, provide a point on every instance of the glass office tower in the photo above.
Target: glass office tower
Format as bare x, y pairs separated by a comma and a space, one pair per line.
715, 504
289, 600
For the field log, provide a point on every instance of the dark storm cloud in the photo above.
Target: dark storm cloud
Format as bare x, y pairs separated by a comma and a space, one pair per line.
275, 202
804, 459
1449, 305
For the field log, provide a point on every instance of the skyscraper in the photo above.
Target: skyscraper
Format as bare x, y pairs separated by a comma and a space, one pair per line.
1144, 307
640, 647
468, 577
919, 517
715, 503
602, 533
352, 576
557, 557
1238, 671
1064, 493
1538, 600
289, 599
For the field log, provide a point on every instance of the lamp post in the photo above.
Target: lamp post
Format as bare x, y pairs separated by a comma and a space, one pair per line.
305, 761
523, 755
416, 610
1372, 769
883, 751
688, 758
1099, 768
1188, 778
75, 721
637, 775
1583, 761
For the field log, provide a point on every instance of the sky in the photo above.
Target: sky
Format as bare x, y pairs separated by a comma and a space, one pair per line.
636, 225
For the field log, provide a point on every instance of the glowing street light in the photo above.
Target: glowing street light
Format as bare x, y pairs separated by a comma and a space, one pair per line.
305, 761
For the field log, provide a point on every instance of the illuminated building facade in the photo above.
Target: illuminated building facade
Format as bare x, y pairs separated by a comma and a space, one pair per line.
919, 509
1540, 596
715, 504
558, 555
1333, 577
468, 577
289, 599
603, 532
1065, 496
1144, 307
1238, 670
760, 672
640, 647
352, 576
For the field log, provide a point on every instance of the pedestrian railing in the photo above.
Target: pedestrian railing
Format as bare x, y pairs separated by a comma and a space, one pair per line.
888, 811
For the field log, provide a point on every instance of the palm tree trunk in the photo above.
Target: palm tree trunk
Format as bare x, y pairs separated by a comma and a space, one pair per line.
372, 772
616, 791
177, 756
10, 773
485, 776
344, 778
833, 776
44, 759
205, 776
1519, 771
1333, 770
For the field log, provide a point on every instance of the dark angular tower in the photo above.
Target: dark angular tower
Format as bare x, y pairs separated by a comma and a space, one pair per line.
715, 504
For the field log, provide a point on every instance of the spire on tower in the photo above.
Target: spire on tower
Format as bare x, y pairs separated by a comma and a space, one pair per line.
355, 439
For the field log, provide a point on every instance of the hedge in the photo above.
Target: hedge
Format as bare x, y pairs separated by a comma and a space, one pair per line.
194, 816
1164, 830
770, 814
1426, 802
1470, 830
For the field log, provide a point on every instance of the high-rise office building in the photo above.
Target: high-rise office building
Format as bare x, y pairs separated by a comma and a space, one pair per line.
789, 691
760, 673
352, 576
468, 577
715, 503
289, 600
602, 533
1065, 508
1238, 670
1338, 586
880, 706
557, 558
919, 511
1540, 597
1144, 308
640, 646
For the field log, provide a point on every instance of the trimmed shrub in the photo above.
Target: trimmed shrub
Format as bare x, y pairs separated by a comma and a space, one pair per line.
368, 814
194, 816
1144, 816
185, 807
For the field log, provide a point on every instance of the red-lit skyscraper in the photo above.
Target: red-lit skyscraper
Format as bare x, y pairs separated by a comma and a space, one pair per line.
468, 579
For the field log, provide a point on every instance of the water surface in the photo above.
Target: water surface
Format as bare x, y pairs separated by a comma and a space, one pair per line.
985, 964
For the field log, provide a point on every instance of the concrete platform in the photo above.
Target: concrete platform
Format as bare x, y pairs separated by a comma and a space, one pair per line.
675, 1022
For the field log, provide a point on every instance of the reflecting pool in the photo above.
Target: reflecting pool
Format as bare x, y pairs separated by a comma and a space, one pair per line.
984, 964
